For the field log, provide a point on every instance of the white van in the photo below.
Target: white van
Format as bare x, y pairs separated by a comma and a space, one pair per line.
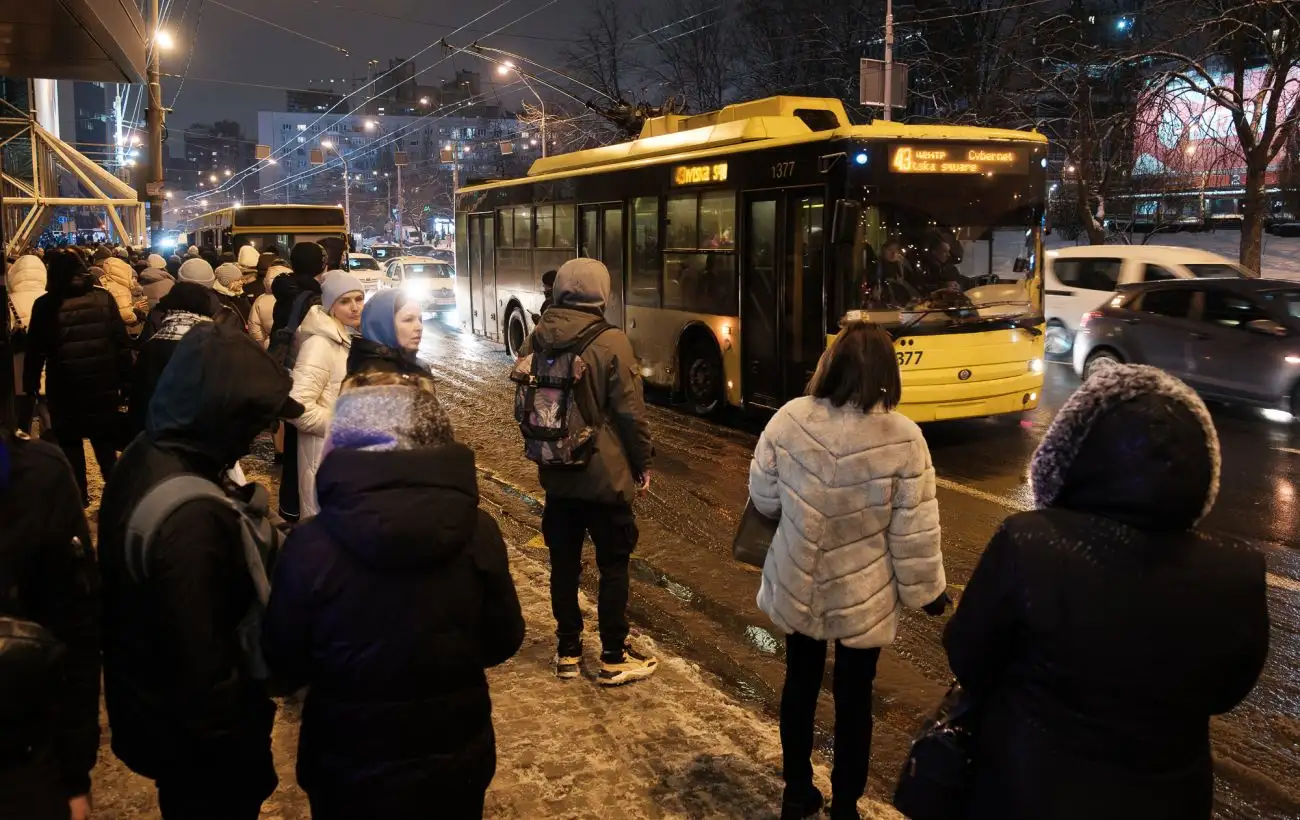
1082, 278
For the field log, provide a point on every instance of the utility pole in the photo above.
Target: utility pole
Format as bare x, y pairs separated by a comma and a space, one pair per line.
154, 122
889, 60
399, 159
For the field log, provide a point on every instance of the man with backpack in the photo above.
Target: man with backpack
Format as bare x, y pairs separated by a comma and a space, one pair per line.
294, 294
49, 637
187, 704
593, 460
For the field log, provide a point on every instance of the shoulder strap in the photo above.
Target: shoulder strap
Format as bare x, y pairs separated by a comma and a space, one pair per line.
159, 502
298, 312
590, 335
13, 312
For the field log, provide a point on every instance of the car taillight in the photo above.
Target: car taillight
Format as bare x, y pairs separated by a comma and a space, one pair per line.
1088, 317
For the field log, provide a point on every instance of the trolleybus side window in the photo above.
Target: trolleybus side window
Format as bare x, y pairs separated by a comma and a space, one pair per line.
505, 228
700, 271
555, 226
523, 227
643, 278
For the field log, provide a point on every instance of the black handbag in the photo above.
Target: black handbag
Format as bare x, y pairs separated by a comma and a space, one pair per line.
936, 777
753, 536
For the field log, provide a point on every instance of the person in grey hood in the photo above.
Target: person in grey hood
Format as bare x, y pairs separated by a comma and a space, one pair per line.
1102, 630
596, 499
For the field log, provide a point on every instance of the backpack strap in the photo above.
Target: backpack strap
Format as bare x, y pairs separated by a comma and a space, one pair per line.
168, 495
298, 312
17, 320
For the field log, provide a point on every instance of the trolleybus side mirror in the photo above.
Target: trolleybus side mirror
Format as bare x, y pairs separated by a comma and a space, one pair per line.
844, 230
1021, 265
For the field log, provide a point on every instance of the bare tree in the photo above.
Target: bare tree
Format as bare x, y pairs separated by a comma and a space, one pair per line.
695, 52
604, 56
1243, 58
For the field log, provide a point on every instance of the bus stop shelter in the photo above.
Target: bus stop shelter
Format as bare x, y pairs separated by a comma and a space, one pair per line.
97, 40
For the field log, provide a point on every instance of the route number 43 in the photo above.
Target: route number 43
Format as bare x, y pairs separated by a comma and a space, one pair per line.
783, 170
908, 356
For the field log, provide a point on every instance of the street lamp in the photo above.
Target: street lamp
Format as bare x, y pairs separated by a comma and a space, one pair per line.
347, 184
212, 178
164, 40
505, 68
424, 101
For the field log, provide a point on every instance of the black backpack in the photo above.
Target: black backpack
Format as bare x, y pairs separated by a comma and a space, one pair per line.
282, 347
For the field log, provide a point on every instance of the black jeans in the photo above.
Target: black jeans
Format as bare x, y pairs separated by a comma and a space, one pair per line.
855, 670
72, 443
208, 799
289, 475
565, 523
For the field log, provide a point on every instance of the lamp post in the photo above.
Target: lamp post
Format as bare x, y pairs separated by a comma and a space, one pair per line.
154, 122
347, 185
505, 68
399, 159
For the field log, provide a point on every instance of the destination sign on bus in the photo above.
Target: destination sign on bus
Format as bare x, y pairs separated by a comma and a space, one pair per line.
957, 159
700, 174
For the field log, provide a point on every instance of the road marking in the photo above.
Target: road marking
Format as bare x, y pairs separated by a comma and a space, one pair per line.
1279, 581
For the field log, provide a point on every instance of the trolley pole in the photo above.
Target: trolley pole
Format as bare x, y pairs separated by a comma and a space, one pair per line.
889, 60
154, 122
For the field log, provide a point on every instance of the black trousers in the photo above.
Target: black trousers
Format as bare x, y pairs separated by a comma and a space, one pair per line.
565, 524
855, 670
289, 475
71, 442
206, 798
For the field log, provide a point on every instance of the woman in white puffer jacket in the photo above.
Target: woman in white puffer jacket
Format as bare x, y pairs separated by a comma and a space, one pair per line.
261, 320
851, 481
323, 341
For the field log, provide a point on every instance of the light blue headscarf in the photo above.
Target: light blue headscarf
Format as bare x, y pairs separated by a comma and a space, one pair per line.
379, 318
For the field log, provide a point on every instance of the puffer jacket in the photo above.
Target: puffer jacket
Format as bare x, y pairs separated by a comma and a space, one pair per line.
156, 283
1101, 631
318, 373
859, 524
261, 318
78, 339
119, 280
394, 716
26, 282
623, 445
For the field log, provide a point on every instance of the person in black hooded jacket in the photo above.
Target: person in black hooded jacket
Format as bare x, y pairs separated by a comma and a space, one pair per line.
183, 708
78, 338
186, 305
1101, 631
390, 614
47, 575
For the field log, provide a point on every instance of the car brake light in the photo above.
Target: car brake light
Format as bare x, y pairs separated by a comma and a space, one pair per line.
1088, 317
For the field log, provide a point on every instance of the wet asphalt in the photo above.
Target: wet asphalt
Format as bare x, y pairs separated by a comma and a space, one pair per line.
689, 594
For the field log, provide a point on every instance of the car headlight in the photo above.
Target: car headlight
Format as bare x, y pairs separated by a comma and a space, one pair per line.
167, 242
417, 289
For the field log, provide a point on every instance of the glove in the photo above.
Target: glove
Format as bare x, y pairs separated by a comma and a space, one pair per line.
939, 605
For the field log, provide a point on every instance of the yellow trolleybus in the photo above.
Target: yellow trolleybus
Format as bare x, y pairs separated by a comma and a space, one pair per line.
739, 241
263, 225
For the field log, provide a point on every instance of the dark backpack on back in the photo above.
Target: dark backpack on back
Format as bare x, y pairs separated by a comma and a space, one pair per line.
282, 346
555, 431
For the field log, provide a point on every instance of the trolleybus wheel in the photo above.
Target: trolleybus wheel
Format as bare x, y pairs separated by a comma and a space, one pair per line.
516, 332
1059, 339
702, 377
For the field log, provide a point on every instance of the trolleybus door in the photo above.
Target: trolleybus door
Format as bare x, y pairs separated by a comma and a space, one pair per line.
483, 275
782, 329
601, 237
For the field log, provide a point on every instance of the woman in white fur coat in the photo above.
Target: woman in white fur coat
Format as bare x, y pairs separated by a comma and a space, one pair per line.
851, 481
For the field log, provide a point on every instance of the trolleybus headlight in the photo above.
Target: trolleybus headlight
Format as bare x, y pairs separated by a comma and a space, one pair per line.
1035, 365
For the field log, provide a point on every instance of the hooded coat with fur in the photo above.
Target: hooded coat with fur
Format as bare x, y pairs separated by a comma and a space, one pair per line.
858, 536
1101, 631
318, 373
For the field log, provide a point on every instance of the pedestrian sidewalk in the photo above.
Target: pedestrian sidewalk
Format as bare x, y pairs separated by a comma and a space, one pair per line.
673, 746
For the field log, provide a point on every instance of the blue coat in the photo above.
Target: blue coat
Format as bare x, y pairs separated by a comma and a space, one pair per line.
389, 605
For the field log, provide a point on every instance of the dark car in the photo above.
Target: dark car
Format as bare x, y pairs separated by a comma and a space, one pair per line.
1235, 340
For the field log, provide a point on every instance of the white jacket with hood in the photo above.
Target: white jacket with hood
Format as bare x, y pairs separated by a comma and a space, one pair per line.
261, 319
317, 376
26, 282
859, 524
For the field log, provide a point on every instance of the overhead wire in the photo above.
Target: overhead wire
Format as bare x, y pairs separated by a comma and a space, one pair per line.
292, 31
262, 163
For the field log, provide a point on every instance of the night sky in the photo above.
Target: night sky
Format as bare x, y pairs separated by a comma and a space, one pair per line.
233, 47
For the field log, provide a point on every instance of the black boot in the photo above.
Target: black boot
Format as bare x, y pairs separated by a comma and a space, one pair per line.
844, 810
797, 804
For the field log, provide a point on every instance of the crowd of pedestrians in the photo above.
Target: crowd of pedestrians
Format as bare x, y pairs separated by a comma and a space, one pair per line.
1096, 637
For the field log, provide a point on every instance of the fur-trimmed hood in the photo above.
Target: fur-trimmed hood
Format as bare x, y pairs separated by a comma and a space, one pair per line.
1133, 444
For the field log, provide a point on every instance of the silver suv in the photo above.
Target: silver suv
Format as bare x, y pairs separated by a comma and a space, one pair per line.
1236, 340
